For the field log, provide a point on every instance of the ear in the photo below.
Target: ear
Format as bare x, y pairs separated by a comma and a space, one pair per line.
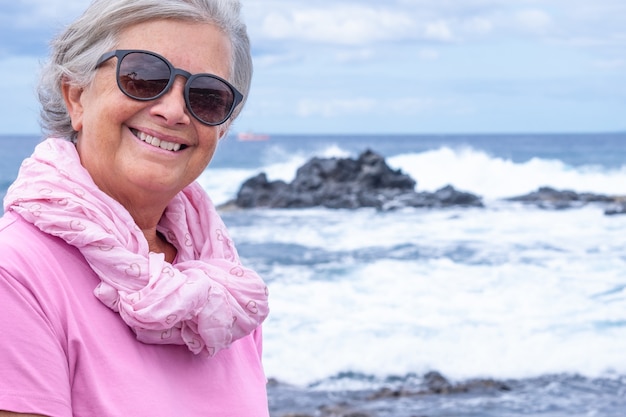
72, 96
223, 129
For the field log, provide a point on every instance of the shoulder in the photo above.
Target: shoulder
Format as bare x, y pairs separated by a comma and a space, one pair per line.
18, 235
11, 225
43, 268
24, 245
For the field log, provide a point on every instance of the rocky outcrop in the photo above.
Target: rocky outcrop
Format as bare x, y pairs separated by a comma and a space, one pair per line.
617, 207
365, 403
436, 384
550, 198
344, 183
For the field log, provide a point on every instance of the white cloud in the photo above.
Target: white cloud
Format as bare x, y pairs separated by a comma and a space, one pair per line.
478, 25
423, 48
335, 108
273, 59
438, 31
341, 24
37, 13
534, 20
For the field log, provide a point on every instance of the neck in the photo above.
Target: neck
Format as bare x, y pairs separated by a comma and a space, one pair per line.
147, 221
158, 243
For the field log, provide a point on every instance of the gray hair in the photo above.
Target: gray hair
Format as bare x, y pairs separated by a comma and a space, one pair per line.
76, 50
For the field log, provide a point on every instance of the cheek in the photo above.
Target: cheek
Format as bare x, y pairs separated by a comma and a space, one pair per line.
208, 148
210, 151
104, 103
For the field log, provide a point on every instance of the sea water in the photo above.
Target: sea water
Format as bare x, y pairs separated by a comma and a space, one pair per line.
362, 299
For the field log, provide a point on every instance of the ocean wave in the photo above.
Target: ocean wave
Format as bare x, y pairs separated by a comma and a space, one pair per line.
492, 177
513, 292
464, 167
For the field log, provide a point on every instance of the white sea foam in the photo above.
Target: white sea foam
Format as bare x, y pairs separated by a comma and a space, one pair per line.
498, 293
505, 291
222, 184
477, 172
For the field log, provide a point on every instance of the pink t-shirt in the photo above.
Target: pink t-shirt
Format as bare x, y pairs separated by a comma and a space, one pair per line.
65, 354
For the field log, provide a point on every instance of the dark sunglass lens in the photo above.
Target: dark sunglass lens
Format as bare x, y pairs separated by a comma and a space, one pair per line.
210, 99
142, 75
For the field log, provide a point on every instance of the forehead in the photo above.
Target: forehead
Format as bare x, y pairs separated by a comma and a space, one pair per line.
194, 47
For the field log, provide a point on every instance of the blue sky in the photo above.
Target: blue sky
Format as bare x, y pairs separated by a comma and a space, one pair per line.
398, 66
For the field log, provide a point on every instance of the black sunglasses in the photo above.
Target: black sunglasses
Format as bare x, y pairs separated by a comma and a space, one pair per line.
145, 75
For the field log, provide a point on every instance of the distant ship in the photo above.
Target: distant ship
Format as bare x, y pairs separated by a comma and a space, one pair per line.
250, 136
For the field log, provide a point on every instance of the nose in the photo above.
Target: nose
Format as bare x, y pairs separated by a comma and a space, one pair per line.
171, 106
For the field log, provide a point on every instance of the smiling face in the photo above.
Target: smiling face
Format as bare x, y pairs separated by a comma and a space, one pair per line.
142, 153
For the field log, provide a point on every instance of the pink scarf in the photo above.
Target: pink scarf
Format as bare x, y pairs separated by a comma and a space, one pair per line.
206, 300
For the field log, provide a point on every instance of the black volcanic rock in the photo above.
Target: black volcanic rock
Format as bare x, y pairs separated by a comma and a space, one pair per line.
344, 183
259, 192
550, 198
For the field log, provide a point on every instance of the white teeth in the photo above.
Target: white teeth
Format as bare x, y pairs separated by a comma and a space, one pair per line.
151, 140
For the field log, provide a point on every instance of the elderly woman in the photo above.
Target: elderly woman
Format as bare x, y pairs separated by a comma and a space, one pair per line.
121, 293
